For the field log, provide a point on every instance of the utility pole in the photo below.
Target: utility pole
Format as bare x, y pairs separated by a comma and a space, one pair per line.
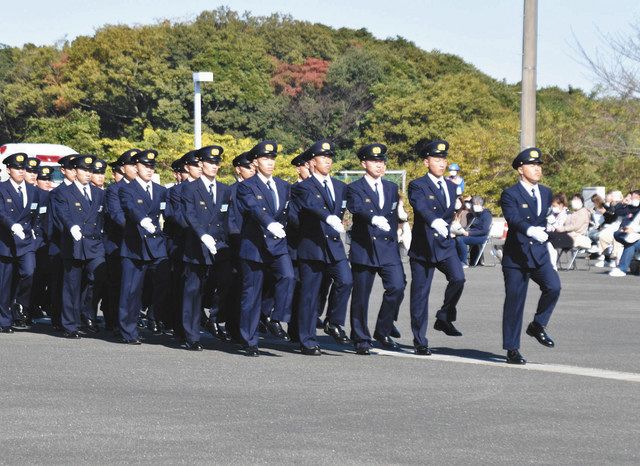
529, 60
199, 77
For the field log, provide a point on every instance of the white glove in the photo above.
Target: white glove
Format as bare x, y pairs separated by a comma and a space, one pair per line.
537, 233
277, 230
76, 232
17, 230
381, 222
335, 223
210, 243
148, 225
441, 227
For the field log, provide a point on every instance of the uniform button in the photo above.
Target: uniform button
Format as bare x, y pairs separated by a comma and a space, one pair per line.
375, 237
264, 236
530, 242
325, 208
217, 224
371, 210
326, 236
264, 208
435, 234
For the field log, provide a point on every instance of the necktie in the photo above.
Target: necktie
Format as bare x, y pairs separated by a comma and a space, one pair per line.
21, 196
441, 191
326, 188
378, 194
212, 192
535, 201
86, 194
273, 194
149, 191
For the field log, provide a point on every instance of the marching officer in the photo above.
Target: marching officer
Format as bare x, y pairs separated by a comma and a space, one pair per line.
373, 201
124, 171
18, 218
40, 289
322, 202
206, 252
80, 209
144, 248
433, 201
525, 206
263, 202
98, 173
31, 173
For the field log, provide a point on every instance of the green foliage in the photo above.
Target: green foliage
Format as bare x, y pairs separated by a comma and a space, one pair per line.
79, 130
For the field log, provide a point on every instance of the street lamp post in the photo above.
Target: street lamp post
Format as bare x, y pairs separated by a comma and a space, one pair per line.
529, 60
199, 77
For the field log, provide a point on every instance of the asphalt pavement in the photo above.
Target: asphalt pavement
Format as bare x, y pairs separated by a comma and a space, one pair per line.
94, 401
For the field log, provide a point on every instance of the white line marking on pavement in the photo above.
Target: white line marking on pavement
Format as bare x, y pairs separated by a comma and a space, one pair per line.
555, 368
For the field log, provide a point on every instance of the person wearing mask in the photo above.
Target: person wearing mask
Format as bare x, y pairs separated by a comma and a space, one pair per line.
606, 247
454, 176
477, 230
627, 235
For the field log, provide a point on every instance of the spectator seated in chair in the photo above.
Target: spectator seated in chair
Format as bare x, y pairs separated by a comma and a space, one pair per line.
476, 231
571, 233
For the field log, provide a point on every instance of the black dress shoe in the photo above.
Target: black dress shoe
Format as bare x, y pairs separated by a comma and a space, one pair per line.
447, 327
71, 335
135, 341
252, 351
423, 350
363, 351
536, 331
262, 326
337, 333
90, 326
152, 326
6, 330
319, 323
275, 329
195, 346
386, 342
514, 357
395, 333
21, 325
313, 351
221, 332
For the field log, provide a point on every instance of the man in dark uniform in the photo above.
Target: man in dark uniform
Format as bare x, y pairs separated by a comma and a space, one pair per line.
31, 174
80, 210
373, 202
244, 169
53, 227
525, 206
322, 202
19, 204
124, 172
98, 171
263, 202
144, 248
433, 201
206, 252
40, 289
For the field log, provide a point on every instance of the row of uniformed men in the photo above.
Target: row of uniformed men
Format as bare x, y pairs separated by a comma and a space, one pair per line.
282, 241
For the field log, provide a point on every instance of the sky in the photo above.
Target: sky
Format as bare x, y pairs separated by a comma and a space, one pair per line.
486, 33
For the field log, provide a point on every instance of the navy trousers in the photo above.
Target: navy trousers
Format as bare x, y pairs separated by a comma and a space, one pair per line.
421, 278
23, 267
311, 277
79, 281
253, 274
515, 284
133, 275
393, 282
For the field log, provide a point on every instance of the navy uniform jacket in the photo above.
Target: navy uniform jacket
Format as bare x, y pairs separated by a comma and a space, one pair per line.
318, 240
114, 220
293, 222
203, 217
138, 243
12, 212
255, 203
519, 250
71, 208
235, 217
42, 238
427, 244
175, 220
480, 224
370, 245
